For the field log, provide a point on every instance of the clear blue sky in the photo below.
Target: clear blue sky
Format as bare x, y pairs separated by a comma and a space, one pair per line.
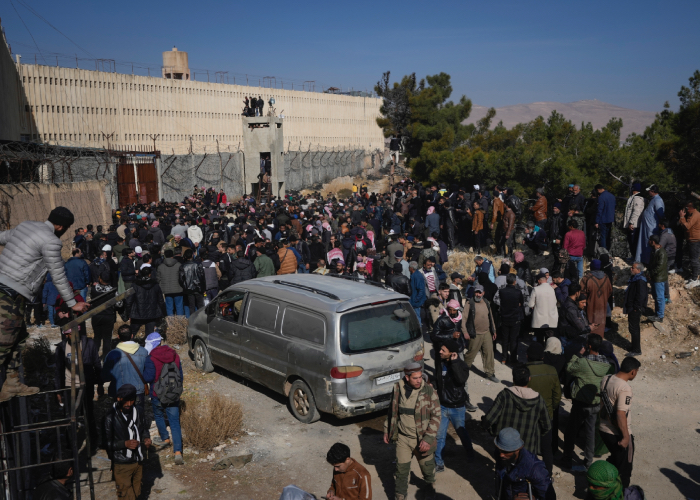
634, 54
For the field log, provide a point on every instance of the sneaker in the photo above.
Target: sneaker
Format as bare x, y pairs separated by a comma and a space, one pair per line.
634, 353
470, 407
668, 301
178, 458
160, 442
652, 318
439, 468
493, 379
656, 319
692, 284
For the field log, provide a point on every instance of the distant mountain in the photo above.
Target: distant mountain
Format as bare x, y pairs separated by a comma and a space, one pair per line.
596, 112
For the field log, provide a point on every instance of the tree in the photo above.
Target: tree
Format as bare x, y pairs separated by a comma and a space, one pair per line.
395, 108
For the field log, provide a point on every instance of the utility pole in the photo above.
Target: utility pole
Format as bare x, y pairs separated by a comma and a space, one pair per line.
221, 166
154, 137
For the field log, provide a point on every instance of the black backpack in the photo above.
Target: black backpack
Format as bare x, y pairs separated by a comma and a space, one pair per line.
168, 388
517, 205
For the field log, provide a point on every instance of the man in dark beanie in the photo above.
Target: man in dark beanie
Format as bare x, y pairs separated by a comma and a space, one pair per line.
31, 250
125, 432
351, 481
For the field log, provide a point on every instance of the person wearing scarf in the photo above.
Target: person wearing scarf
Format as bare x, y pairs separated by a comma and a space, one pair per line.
125, 432
604, 484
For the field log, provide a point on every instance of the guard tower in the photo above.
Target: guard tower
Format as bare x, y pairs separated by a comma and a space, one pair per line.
176, 65
263, 137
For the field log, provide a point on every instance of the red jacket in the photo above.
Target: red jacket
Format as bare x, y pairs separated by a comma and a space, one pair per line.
155, 361
575, 242
221, 198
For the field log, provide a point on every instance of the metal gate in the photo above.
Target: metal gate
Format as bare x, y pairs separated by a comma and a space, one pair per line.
137, 181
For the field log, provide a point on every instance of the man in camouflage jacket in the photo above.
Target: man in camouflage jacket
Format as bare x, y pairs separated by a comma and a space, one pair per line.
412, 423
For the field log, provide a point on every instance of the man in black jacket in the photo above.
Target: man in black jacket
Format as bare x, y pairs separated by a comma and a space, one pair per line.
193, 283
125, 431
399, 282
92, 366
103, 323
127, 268
636, 297
451, 373
447, 326
57, 488
511, 310
242, 269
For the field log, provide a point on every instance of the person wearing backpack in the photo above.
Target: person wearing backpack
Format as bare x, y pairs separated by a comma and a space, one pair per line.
164, 372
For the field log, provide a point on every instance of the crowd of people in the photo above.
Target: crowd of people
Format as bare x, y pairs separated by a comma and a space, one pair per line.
178, 256
253, 106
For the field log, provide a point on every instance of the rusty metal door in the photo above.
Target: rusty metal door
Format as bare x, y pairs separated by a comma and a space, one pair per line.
126, 184
148, 182
131, 189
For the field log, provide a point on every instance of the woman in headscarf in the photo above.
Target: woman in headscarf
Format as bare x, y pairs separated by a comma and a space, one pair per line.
432, 222
604, 484
522, 268
553, 355
598, 287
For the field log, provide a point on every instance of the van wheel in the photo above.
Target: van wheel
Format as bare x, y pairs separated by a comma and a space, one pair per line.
201, 357
302, 403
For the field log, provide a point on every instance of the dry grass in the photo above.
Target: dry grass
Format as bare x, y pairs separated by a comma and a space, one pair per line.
176, 331
206, 422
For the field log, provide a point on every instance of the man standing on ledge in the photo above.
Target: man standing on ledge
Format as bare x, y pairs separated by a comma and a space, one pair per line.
412, 423
31, 250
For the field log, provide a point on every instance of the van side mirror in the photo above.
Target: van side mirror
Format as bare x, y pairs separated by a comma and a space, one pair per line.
211, 310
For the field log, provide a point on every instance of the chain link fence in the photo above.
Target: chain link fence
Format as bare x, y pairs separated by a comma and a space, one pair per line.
304, 169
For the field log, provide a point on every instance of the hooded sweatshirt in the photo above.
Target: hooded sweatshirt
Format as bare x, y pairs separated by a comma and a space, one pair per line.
154, 364
523, 409
585, 375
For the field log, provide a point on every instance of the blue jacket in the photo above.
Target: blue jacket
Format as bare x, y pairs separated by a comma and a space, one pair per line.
50, 293
606, 208
528, 469
432, 223
562, 291
118, 370
418, 296
78, 273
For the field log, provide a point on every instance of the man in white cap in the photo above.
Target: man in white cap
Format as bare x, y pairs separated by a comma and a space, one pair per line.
412, 423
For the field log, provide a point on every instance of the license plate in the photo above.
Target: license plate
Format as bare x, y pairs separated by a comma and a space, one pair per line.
388, 378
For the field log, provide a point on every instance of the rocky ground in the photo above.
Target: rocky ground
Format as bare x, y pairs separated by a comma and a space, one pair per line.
665, 421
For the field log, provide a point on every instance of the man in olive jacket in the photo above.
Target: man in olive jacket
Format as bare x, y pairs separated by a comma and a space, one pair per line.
544, 380
658, 276
412, 423
584, 373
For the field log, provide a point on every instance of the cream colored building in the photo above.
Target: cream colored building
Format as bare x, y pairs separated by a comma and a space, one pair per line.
78, 107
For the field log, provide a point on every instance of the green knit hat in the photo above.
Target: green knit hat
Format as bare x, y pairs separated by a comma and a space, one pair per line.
604, 474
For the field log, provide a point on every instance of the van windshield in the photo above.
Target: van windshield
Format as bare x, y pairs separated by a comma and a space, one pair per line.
378, 327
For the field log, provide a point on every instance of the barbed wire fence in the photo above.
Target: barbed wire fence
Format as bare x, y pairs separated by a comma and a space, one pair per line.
306, 168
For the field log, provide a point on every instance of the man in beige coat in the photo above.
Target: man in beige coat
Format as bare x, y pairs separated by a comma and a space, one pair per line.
543, 304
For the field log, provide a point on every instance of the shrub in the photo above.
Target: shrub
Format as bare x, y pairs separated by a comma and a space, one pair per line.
206, 422
176, 331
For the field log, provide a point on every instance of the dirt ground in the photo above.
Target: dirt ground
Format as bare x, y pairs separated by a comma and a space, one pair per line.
665, 421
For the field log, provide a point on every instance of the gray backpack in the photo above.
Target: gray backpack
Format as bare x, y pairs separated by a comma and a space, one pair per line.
168, 388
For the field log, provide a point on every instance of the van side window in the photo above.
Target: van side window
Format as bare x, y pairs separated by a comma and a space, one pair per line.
262, 314
302, 325
229, 306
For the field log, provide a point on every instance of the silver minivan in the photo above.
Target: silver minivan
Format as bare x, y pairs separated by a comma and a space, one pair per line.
329, 344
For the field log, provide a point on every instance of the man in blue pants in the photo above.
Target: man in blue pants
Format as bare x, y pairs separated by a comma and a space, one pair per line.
451, 373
